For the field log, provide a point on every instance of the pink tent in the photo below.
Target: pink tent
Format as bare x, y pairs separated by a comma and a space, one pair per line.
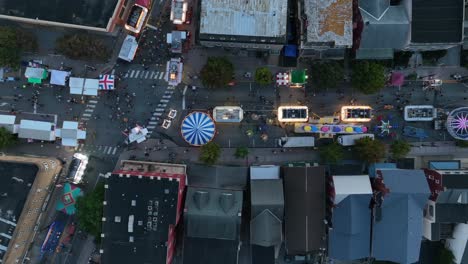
398, 79
144, 3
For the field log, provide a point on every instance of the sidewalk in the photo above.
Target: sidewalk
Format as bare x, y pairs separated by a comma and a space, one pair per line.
191, 155
440, 148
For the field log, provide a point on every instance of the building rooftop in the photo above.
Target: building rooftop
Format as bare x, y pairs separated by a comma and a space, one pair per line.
39, 130
329, 21
435, 21
209, 251
304, 220
85, 12
140, 212
213, 213
224, 177
244, 18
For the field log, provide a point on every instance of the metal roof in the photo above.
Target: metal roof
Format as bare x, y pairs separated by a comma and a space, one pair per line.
224, 177
329, 21
435, 21
266, 230
304, 196
36, 130
244, 18
213, 213
139, 212
209, 251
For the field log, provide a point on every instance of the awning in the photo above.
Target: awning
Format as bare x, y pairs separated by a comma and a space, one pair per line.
58, 77
106, 82
298, 76
198, 128
398, 78
290, 51
84, 86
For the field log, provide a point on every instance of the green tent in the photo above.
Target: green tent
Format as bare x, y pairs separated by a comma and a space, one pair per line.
298, 78
36, 75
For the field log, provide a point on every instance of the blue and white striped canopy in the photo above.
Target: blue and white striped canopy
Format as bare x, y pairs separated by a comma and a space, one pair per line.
198, 128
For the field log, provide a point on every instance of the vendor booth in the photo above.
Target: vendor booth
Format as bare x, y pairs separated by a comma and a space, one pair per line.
198, 128
84, 86
35, 75
228, 114
59, 77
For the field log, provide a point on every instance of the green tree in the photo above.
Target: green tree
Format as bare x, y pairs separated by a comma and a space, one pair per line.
399, 149
445, 255
331, 153
82, 46
369, 150
89, 211
6, 138
368, 77
217, 72
9, 50
327, 75
241, 152
263, 76
461, 143
210, 153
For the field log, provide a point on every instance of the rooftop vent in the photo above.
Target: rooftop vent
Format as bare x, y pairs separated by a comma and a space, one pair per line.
201, 199
226, 201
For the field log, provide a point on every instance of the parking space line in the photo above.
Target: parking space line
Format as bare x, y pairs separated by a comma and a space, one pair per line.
86, 114
164, 101
161, 75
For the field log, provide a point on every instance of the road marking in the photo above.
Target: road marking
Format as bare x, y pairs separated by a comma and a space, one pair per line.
169, 92
167, 96
150, 127
159, 109
151, 26
115, 150
156, 75
158, 114
161, 75
92, 106
185, 90
86, 114
105, 149
84, 118
153, 123
162, 105
131, 74
113, 71
137, 73
165, 76
164, 101
146, 75
100, 147
153, 118
89, 110
152, 74
126, 75
93, 101
171, 88
109, 150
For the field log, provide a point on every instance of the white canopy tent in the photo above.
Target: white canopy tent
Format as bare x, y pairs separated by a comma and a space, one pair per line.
58, 77
84, 86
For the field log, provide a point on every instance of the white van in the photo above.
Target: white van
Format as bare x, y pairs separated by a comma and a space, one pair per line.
349, 140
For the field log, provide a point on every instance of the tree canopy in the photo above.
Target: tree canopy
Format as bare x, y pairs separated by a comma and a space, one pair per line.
9, 50
327, 75
241, 152
82, 46
369, 150
399, 149
6, 138
89, 211
210, 153
217, 72
331, 153
263, 76
368, 77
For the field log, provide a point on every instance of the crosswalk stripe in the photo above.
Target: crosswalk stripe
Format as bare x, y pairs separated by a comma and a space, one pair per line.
126, 75
169, 92
115, 150
137, 74
84, 118
152, 74
92, 106
153, 123
86, 114
164, 101
165, 76
162, 105
109, 150
93, 101
100, 147
132, 73
146, 75
161, 75
171, 88
156, 75
155, 113
89, 110
150, 127
113, 71
167, 96
105, 149
158, 114
159, 109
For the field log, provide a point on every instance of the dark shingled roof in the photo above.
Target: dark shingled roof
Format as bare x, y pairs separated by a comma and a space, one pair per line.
153, 204
437, 21
80, 12
209, 251
304, 196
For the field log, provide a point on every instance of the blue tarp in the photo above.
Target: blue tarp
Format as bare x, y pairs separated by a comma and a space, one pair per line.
290, 51
444, 165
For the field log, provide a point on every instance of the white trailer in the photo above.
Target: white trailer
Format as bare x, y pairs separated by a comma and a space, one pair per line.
349, 140
129, 48
296, 142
